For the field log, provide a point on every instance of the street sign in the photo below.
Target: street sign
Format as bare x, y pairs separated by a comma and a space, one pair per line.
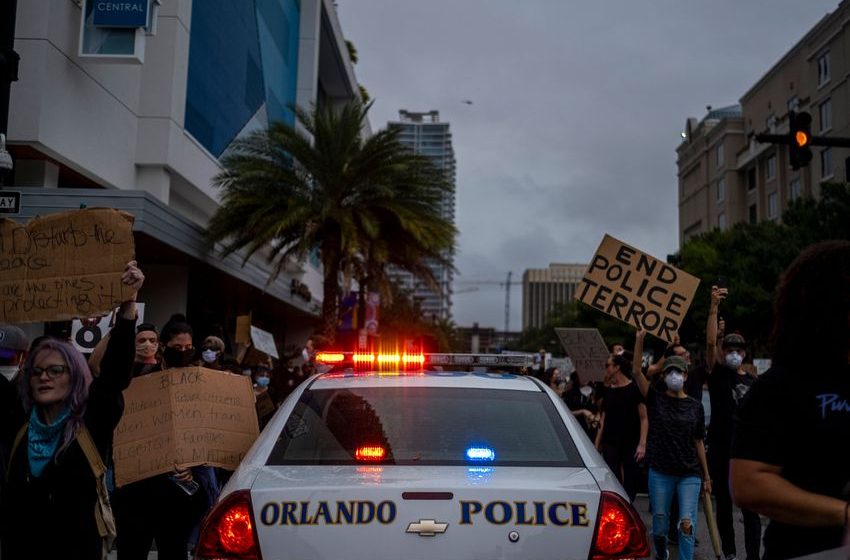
10, 202
126, 13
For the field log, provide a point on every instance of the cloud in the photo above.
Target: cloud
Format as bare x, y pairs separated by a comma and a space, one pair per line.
576, 114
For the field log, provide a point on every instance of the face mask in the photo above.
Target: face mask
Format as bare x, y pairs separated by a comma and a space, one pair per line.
8, 372
146, 349
675, 381
178, 358
586, 391
620, 353
734, 360
209, 356
263, 381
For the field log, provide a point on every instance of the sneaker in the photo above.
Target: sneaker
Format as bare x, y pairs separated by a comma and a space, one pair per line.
730, 557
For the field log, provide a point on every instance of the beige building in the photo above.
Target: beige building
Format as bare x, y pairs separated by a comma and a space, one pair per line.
727, 177
542, 288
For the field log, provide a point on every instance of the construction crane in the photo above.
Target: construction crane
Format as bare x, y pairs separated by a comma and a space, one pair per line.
476, 285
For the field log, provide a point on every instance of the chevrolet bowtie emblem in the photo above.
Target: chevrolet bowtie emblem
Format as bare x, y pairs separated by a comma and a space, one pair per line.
427, 528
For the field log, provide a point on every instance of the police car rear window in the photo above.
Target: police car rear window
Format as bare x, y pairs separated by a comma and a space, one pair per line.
425, 426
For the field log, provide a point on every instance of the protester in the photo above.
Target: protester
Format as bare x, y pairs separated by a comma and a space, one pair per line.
49, 504
787, 460
212, 352
675, 453
176, 341
308, 355
166, 508
13, 352
579, 399
147, 350
728, 382
556, 381
623, 424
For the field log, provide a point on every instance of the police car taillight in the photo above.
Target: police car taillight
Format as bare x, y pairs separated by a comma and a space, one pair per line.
620, 533
228, 531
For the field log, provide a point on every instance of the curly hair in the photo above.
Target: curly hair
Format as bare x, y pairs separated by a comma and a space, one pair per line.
812, 309
80, 379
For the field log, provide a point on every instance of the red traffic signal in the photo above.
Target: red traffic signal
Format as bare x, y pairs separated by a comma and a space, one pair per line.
800, 139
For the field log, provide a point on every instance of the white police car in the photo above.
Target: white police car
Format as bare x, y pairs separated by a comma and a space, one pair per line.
422, 464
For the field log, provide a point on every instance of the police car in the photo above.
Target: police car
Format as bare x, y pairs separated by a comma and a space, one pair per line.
392, 458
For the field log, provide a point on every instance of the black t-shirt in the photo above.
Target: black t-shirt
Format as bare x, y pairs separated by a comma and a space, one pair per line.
726, 388
674, 426
800, 422
622, 419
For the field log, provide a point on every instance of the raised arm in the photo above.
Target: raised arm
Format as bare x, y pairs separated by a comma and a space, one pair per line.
116, 367
637, 372
712, 354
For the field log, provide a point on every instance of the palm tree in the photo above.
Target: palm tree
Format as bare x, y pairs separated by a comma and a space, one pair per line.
362, 202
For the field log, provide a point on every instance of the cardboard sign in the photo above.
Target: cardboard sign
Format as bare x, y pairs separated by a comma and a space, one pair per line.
185, 416
587, 351
243, 329
264, 342
637, 288
61, 266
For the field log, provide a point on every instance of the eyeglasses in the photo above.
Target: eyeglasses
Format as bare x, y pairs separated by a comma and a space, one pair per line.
53, 371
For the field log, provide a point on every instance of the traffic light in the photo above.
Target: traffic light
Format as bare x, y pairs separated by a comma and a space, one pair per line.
799, 139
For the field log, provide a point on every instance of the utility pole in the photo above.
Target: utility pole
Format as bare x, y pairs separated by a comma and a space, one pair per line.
508, 303
8, 73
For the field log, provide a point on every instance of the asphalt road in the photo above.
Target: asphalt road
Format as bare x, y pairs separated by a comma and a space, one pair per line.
704, 550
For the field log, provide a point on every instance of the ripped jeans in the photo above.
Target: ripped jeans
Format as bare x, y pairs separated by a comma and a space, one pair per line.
661, 488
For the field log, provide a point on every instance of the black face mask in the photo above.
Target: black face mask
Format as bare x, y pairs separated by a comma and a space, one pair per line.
178, 358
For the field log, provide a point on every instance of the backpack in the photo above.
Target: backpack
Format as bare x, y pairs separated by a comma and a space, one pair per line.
102, 508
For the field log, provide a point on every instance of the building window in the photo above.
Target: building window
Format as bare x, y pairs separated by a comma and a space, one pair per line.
719, 155
771, 167
770, 123
721, 190
826, 163
751, 178
721, 221
825, 110
793, 103
794, 191
772, 205
754, 215
823, 68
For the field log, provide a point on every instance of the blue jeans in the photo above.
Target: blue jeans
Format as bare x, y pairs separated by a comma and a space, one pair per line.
661, 489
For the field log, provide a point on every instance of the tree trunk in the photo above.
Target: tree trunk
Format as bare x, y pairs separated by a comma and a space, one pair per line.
330, 300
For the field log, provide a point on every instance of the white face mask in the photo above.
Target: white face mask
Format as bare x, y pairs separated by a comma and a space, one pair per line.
734, 360
586, 391
8, 372
209, 356
675, 381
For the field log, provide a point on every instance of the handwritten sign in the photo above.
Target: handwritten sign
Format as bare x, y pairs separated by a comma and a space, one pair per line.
184, 416
637, 288
587, 351
61, 266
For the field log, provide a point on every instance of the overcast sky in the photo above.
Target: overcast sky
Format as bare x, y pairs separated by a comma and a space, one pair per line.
577, 111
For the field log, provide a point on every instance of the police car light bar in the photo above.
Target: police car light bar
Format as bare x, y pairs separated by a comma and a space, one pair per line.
385, 360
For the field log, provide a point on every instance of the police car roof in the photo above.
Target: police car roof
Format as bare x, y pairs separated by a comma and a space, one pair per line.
456, 379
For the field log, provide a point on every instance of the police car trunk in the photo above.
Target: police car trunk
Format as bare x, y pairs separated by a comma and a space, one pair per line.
427, 465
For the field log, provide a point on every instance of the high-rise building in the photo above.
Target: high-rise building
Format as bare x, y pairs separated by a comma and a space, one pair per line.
543, 288
426, 135
138, 118
727, 177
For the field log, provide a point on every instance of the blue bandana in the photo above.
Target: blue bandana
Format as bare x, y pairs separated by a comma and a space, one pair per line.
43, 439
